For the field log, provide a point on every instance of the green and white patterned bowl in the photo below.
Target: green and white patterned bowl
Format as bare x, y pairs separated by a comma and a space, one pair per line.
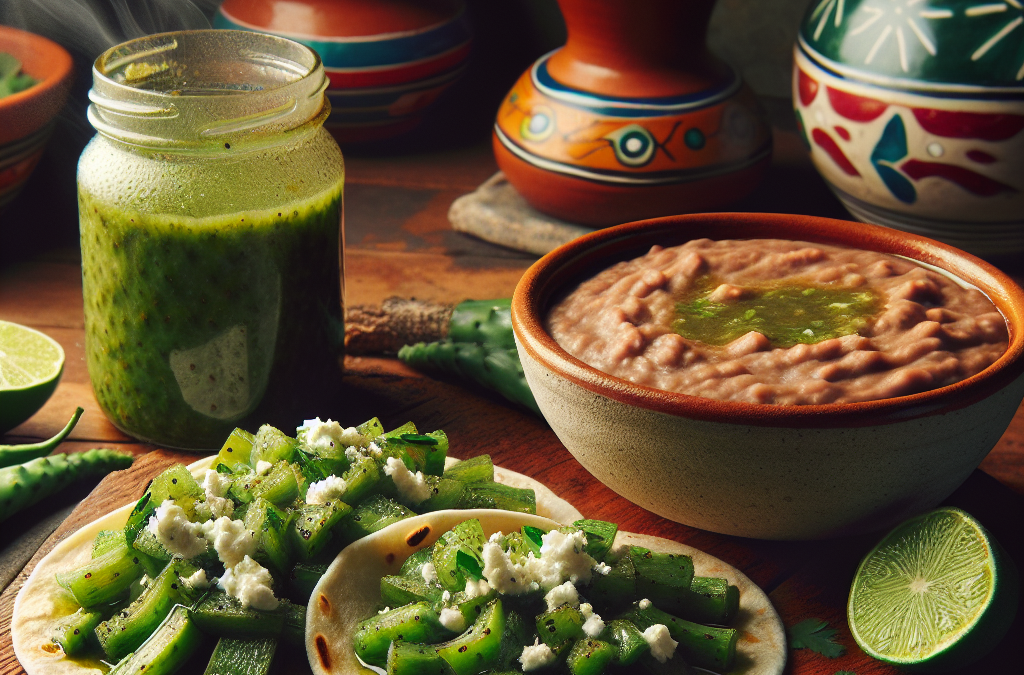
913, 111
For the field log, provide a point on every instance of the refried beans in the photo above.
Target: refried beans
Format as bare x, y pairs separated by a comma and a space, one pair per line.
928, 331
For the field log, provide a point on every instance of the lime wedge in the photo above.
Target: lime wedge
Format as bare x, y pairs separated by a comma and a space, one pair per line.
937, 593
30, 367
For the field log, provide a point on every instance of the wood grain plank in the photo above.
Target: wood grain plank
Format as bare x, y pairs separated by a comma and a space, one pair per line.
371, 276
40, 294
461, 168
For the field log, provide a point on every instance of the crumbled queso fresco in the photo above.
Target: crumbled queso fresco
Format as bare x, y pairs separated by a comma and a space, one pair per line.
250, 582
412, 488
216, 485
328, 489
661, 642
244, 578
536, 656
325, 435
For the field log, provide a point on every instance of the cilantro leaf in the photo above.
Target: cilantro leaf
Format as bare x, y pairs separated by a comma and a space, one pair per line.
814, 634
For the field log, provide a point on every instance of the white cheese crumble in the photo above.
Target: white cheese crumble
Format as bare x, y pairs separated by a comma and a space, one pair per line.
250, 582
593, 624
319, 435
173, 529
501, 573
352, 453
452, 619
661, 642
263, 467
446, 596
216, 485
232, 541
562, 594
536, 656
412, 488
429, 573
328, 489
197, 580
602, 568
474, 589
374, 449
645, 603
562, 558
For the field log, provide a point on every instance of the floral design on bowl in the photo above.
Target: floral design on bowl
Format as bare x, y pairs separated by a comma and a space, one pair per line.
386, 62
914, 110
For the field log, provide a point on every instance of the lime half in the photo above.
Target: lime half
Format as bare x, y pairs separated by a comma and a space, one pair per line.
30, 367
937, 593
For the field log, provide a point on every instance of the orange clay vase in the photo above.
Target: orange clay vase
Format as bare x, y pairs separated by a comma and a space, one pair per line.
633, 118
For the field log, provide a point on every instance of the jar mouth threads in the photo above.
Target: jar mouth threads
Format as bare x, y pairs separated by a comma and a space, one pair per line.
199, 89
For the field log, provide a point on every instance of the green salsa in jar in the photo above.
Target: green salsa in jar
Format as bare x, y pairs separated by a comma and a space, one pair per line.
210, 209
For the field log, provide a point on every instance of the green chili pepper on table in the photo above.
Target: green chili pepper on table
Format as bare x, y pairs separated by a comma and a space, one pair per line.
26, 484
17, 454
479, 347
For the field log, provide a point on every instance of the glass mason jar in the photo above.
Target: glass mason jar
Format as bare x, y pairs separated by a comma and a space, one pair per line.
211, 211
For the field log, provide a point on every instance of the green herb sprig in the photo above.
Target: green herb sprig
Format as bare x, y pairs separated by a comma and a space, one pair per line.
814, 634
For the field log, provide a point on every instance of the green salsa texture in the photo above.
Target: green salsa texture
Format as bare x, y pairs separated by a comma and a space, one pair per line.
786, 315
195, 325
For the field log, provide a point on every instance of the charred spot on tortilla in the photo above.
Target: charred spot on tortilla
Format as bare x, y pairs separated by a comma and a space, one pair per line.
322, 651
389, 558
419, 535
325, 604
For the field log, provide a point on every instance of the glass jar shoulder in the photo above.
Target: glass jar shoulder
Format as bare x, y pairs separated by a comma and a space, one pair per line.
212, 184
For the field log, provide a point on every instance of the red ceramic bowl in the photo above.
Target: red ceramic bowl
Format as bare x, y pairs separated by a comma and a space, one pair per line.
766, 471
26, 118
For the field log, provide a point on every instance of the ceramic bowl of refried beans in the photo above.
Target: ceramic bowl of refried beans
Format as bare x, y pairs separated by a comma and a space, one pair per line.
772, 376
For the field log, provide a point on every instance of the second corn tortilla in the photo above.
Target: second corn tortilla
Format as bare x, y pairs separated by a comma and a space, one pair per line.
350, 589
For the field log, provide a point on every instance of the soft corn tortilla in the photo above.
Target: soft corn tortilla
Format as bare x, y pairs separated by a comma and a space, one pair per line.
350, 590
41, 601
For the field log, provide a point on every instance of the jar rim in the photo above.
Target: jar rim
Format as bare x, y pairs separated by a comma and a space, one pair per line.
203, 87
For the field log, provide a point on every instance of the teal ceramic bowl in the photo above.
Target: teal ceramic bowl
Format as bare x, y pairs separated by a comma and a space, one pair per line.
767, 471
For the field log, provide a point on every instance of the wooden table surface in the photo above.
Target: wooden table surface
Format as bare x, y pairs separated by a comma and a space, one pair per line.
399, 243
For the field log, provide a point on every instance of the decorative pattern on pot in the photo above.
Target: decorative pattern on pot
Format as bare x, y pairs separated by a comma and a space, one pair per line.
383, 75
632, 142
913, 111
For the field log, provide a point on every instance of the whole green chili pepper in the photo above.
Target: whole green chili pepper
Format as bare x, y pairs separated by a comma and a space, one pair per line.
17, 454
26, 484
479, 347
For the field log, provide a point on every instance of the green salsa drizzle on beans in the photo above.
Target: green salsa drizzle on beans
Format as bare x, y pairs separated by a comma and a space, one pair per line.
786, 315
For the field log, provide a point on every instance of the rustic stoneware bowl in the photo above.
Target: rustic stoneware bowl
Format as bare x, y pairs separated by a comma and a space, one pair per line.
771, 472
26, 118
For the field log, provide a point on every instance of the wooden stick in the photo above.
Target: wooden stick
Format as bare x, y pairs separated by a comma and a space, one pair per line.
370, 329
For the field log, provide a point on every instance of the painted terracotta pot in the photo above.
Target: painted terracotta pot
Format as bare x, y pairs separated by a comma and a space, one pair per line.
766, 471
632, 118
387, 60
27, 118
914, 113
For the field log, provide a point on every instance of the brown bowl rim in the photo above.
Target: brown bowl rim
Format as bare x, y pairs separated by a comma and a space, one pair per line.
57, 76
595, 251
